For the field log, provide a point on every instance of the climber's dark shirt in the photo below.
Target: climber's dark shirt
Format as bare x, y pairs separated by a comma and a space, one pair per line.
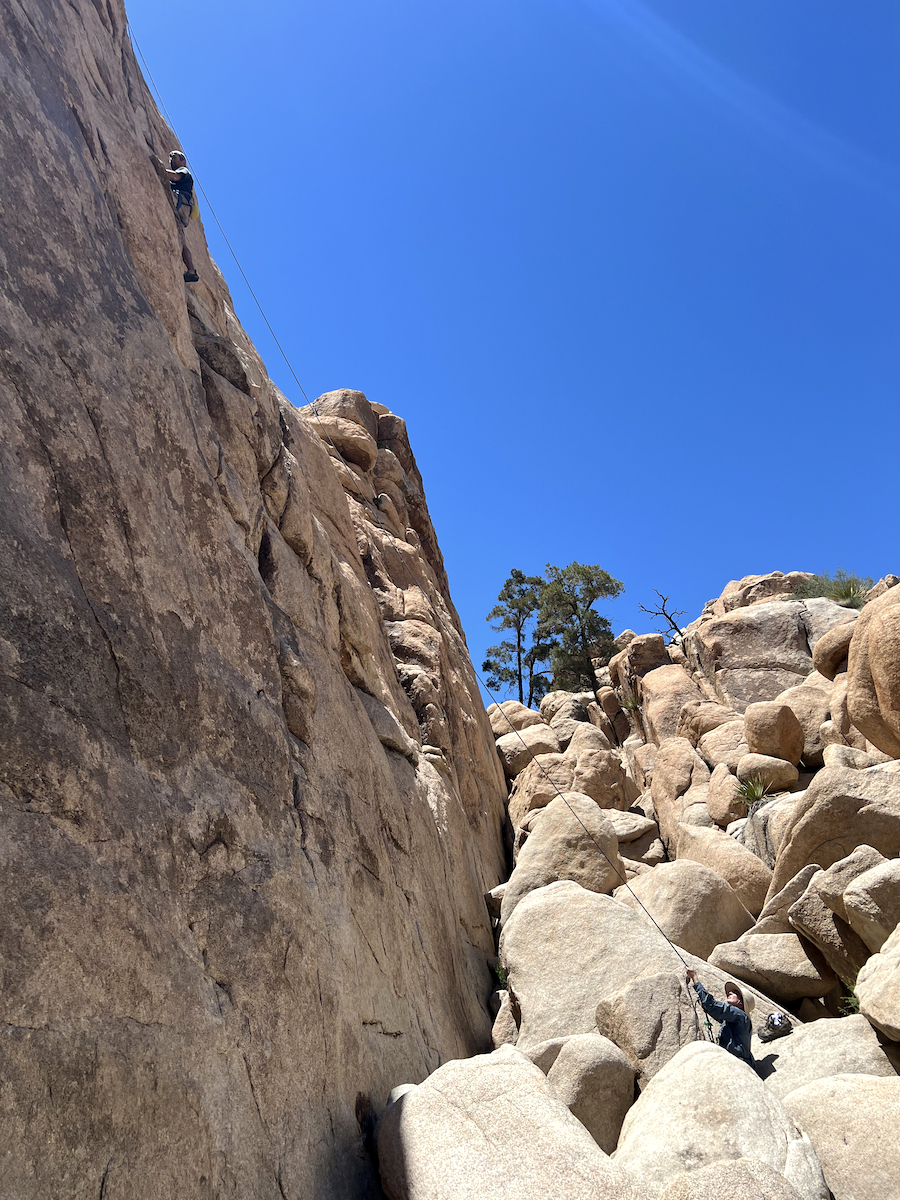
734, 1034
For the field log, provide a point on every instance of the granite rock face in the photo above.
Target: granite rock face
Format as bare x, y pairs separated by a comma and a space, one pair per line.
249, 798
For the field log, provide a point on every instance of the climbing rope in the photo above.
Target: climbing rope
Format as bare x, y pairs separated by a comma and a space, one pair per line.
372, 502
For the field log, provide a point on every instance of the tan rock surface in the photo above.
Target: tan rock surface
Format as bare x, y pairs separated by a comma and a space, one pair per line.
776, 773
831, 650
833, 882
573, 840
723, 800
872, 903
842, 809
706, 1107
773, 729
664, 692
695, 908
488, 1126
873, 673
517, 749
594, 1080
842, 948
234, 916
739, 1179
812, 708
702, 716
852, 1122
677, 771
510, 715
780, 964
650, 1020
755, 653
818, 1050
725, 744
747, 874
878, 988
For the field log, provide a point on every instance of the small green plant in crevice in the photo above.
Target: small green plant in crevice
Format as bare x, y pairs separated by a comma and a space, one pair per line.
631, 704
848, 1005
752, 793
842, 587
500, 974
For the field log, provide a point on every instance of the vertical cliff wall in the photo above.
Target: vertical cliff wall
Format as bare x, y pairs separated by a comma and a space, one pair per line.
249, 800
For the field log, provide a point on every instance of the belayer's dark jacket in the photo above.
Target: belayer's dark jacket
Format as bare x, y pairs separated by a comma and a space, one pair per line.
734, 1034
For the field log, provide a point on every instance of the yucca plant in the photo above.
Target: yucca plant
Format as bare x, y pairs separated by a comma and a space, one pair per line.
751, 792
843, 588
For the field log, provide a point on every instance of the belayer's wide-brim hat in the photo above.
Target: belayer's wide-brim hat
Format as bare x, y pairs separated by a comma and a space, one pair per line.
748, 1001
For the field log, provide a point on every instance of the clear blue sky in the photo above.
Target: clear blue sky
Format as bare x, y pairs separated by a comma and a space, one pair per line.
628, 269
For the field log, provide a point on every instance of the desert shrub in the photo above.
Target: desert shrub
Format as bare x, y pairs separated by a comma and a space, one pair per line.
842, 587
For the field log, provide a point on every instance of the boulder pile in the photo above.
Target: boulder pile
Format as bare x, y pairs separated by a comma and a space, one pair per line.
729, 802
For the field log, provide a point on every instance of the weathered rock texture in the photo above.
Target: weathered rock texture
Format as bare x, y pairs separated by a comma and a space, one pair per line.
249, 799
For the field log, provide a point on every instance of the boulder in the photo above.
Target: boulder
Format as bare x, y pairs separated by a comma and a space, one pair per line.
695, 908
644, 761
754, 589
837, 755
768, 827
650, 1020
643, 654
878, 988
812, 707
843, 729
842, 809
677, 769
773, 729
832, 884
518, 749
873, 673
488, 1126
630, 826
588, 737
831, 650
352, 441
872, 903
573, 840
776, 773
852, 1122
505, 1031
843, 949
510, 715
748, 875
664, 692
780, 964
594, 1080
600, 775
739, 1179
723, 800
536, 786
706, 1107
754, 653
564, 948
818, 1050
699, 717
725, 744
774, 916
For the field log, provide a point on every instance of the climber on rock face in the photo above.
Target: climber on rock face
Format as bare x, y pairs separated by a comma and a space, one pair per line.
735, 1031
182, 184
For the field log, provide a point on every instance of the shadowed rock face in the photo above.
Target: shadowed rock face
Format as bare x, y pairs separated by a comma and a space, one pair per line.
240, 899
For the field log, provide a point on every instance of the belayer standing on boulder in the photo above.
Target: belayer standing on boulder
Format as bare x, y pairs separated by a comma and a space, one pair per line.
735, 1029
182, 184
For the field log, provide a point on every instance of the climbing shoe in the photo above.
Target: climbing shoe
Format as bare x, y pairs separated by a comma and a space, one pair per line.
191, 277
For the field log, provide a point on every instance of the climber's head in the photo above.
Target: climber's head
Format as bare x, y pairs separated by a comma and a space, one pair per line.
734, 995
176, 160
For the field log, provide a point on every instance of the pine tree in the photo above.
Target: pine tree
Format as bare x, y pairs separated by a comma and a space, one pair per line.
515, 663
568, 620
